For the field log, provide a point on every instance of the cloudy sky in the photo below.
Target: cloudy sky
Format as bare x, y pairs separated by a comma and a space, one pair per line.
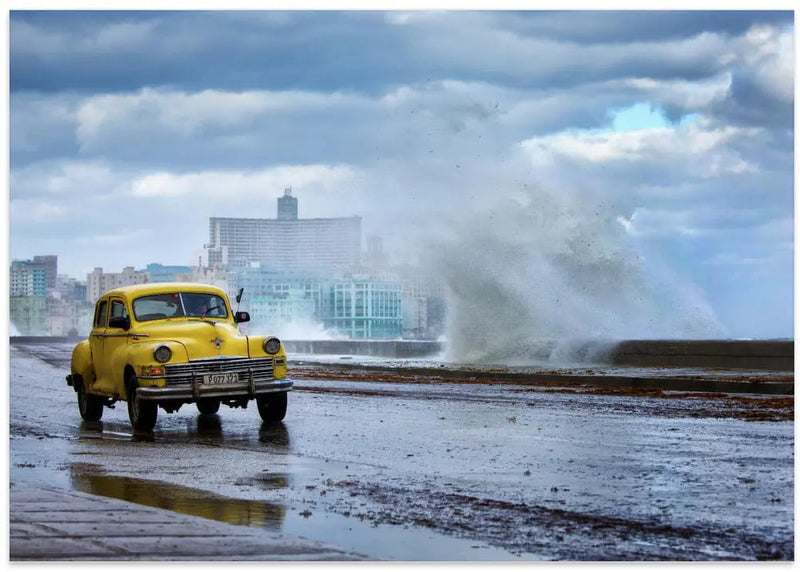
520, 153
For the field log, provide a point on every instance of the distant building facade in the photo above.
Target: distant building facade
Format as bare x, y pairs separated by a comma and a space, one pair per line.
345, 304
423, 297
275, 295
28, 278
68, 288
50, 264
362, 308
286, 241
66, 309
42, 303
161, 273
99, 282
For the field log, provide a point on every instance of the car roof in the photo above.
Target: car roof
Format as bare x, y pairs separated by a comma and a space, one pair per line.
137, 290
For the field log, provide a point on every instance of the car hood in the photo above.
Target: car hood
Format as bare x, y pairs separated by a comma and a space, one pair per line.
200, 338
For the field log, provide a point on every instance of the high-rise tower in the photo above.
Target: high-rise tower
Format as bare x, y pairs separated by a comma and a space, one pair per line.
287, 206
286, 241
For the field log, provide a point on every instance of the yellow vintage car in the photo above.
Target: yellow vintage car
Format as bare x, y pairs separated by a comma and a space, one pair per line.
171, 343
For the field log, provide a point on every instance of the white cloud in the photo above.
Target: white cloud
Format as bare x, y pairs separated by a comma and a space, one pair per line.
232, 187
647, 221
701, 149
64, 180
27, 212
770, 52
695, 96
103, 117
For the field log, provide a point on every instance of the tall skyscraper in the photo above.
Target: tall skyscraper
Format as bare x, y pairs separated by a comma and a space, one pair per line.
286, 242
287, 206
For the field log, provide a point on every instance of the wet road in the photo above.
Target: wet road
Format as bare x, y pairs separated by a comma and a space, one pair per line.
439, 471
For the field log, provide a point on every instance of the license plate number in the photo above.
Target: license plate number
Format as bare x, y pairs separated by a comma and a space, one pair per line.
220, 378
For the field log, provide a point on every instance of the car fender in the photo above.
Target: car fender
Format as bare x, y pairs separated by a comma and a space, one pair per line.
255, 347
81, 363
140, 354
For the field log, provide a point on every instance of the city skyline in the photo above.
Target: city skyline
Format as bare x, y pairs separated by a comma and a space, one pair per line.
649, 150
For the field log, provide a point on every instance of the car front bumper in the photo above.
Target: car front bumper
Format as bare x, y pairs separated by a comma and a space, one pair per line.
197, 390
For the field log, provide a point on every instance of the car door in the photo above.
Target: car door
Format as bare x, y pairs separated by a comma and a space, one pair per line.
96, 338
106, 343
116, 338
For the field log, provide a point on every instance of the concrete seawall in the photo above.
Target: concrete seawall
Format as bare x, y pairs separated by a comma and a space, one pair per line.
771, 355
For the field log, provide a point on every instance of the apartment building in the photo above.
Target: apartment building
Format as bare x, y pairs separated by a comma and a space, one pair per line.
286, 241
99, 282
27, 279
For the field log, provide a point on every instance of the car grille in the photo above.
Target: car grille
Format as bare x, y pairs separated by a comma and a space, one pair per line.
181, 373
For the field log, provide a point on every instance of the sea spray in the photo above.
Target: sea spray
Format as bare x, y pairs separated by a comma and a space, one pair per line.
545, 277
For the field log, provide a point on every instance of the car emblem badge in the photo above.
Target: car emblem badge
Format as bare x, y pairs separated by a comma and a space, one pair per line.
217, 342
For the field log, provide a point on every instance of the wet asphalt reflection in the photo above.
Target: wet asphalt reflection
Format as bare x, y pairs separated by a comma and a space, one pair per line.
92, 479
438, 472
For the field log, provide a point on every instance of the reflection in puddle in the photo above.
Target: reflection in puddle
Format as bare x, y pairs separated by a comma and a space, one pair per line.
204, 426
91, 429
273, 480
274, 433
87, 478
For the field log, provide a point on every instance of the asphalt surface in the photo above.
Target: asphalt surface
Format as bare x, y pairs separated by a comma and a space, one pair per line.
723, 467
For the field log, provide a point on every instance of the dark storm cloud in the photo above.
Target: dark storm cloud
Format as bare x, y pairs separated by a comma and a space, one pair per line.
637, 26
191, 50
119, 51
751, 104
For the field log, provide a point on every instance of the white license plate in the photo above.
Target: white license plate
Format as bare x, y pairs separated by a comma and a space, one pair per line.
220, 378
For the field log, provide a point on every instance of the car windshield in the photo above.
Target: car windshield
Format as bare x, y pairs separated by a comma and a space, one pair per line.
178, 304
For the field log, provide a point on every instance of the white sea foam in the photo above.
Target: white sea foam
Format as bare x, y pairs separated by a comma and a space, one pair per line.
555, 277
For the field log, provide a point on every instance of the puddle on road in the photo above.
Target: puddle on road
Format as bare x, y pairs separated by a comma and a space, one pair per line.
380, 542
177, 498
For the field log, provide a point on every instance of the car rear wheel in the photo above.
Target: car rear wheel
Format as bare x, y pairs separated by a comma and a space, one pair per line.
208, 406
90, 406
272, 407
142, 413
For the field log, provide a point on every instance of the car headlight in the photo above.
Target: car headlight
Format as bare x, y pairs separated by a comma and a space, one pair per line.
162, 354
272, 345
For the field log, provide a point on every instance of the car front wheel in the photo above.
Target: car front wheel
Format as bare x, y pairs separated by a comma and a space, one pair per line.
90, 406
142, 413
272, 407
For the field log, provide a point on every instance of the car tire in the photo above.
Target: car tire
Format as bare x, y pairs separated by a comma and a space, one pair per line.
90, 406
142, 413
272, 407
208, 406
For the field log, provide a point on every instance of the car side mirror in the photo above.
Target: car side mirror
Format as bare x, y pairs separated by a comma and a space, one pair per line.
240, 317
123, 322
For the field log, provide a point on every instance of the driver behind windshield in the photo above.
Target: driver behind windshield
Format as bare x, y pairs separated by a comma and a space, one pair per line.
197, 306
202, 305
